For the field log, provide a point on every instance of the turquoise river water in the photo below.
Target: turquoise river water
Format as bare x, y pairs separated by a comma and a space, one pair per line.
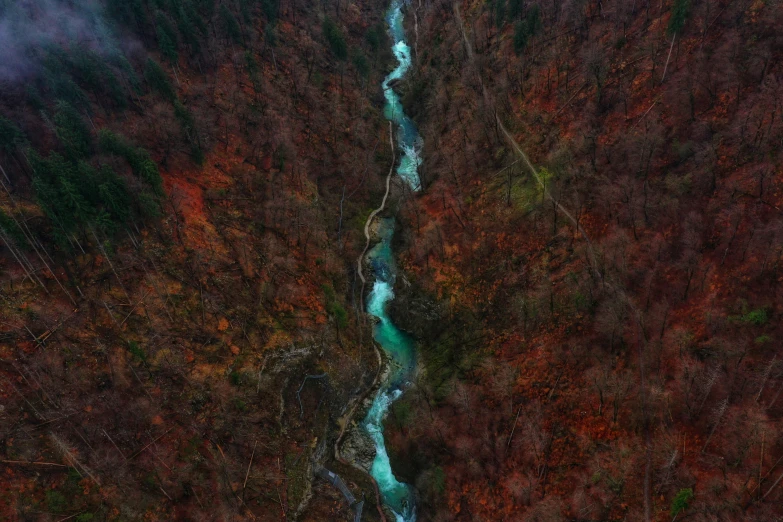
398, 496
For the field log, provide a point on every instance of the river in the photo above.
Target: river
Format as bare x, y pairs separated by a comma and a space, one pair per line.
400, 348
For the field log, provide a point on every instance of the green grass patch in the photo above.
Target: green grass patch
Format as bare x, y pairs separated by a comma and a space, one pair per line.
756, 317
137, 351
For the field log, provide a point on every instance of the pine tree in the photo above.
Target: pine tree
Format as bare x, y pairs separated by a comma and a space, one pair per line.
335, 39
159, 80
114, 195
167, 38
230, 24
500, 13
374, 38
10, 135
94, 73
361, 63
521, 35
49, 201
188, 124
515, 8
63, 87
533, 18
72, 131
680, 13
245, 7
188, 30
138, 159
73, 201
253, 70
126, 12
269, 7
121, 62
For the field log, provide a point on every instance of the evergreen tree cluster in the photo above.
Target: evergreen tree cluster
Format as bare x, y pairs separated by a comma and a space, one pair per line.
74, 187
527, 28
77, 195
335, 39
179, 26
80, 82
526, 19
74, 80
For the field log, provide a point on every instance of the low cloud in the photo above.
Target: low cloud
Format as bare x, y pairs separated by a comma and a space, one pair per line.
27, 26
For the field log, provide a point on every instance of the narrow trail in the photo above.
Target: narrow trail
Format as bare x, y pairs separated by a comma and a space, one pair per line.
399, 498
346, 421
332, 478
618, 290
371, 217
489, 102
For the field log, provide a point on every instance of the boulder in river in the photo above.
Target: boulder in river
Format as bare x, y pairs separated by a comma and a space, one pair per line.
392, 84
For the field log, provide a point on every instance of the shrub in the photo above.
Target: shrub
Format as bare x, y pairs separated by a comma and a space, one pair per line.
756, 317
56, 501
137, 351
681, 501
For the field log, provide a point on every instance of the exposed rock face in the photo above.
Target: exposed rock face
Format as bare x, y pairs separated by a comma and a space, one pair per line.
358, 448
413, 311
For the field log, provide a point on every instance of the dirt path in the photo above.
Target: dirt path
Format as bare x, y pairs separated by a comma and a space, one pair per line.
360, 261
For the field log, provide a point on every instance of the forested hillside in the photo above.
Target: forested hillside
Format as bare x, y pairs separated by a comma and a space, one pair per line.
594, 264
184, 190
590, 271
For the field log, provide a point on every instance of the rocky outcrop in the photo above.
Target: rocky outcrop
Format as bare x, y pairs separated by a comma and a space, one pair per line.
415, 312
358, 448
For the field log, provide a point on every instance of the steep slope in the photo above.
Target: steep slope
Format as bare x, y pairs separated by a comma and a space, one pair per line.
185, 184
600, 327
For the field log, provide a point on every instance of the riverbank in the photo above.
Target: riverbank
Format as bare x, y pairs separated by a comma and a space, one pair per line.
356, 446
398, 497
